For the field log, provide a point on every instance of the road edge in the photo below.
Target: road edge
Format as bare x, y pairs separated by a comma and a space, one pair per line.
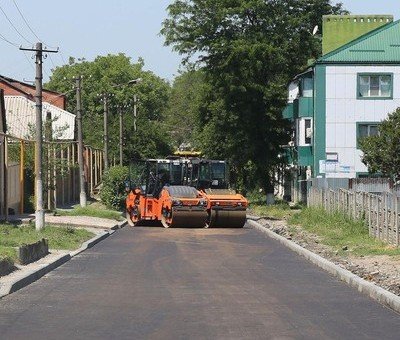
35, 275
375, 292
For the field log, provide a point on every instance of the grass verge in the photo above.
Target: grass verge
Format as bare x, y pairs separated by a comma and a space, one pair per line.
8, 253
95, 209
281, 210
12, 236
342, 233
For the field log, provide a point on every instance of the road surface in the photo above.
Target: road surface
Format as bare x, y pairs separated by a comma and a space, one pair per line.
155, 283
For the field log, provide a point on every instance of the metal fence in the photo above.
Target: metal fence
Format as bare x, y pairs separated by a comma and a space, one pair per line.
380, 212
60, 173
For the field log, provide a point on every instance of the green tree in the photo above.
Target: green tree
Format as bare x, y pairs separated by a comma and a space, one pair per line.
381, 153
100, 76
248, 50
184, 104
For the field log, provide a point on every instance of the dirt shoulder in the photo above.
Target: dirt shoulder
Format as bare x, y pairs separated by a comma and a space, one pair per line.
383, 270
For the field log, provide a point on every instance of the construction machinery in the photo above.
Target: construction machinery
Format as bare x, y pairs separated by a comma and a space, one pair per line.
225, 207
156, 193
184, 191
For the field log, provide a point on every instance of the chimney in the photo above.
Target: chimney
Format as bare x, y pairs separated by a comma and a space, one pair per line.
338, 30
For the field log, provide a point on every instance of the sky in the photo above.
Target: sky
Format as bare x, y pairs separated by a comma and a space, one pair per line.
87, 28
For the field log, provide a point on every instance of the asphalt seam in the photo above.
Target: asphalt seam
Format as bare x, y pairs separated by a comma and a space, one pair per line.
36, 274
375, 292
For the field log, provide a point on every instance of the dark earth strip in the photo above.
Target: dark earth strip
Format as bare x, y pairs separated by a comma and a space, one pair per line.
155, 283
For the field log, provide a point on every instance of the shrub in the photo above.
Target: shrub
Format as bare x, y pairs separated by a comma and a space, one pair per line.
113, 192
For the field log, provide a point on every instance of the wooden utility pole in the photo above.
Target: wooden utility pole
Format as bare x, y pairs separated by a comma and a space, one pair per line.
3, 163
82, 195
121, 135
105, 107
134, 111
39, 218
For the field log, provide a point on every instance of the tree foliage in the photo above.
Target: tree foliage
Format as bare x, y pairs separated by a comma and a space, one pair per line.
382, 152
101, 76
248, 50
183, 108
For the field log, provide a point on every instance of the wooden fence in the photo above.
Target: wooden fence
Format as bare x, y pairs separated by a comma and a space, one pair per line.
60, 173
380, 212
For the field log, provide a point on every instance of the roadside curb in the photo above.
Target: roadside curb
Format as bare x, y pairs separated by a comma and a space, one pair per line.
36, 274
379, 294
33, 276
90, 243
120, 225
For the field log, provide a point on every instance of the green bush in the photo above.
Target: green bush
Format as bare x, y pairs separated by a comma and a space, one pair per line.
113, 192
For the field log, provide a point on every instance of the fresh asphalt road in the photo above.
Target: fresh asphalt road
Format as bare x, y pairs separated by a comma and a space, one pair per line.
155, 283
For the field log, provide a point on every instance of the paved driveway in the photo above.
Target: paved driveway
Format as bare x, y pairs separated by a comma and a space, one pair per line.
155, 283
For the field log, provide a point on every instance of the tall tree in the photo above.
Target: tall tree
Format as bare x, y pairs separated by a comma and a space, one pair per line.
249, 51
382, 151
101, 76
183, 109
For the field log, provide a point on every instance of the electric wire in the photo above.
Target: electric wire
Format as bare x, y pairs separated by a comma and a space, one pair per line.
2, 37
29, 60
52, 61
13, 26
34, 33
29, 26
26, 21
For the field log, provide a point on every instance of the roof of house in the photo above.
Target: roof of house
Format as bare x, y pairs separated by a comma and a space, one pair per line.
381, 45
21, 118
20, 85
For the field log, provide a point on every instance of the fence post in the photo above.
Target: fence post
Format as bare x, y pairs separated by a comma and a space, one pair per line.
379, 207
369, 213
91, 171
22, 176
397, 219
386, 210
392, 218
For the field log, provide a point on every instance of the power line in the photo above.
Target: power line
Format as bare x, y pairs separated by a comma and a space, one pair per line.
29, 61
26, 22
13, 26
2, 37
52, 61
62, 57
33, 32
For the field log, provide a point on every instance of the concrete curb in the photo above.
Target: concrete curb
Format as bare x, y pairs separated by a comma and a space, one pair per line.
33, 276
90, 243
379, 294
36, 274
120, 225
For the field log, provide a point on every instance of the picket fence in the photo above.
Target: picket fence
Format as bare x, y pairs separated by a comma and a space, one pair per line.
380, 212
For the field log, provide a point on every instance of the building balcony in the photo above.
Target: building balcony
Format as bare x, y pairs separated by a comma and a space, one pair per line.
288, 112
305, 155
303, 107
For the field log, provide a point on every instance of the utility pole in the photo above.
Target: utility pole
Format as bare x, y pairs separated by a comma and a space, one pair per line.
82, 195
105, 107
39, 218
121, 136
134, 111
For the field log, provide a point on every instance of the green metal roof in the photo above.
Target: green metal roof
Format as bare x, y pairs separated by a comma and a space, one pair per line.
339, 30
381, 45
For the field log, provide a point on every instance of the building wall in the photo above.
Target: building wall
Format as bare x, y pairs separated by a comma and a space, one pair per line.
21, 89
344, 111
